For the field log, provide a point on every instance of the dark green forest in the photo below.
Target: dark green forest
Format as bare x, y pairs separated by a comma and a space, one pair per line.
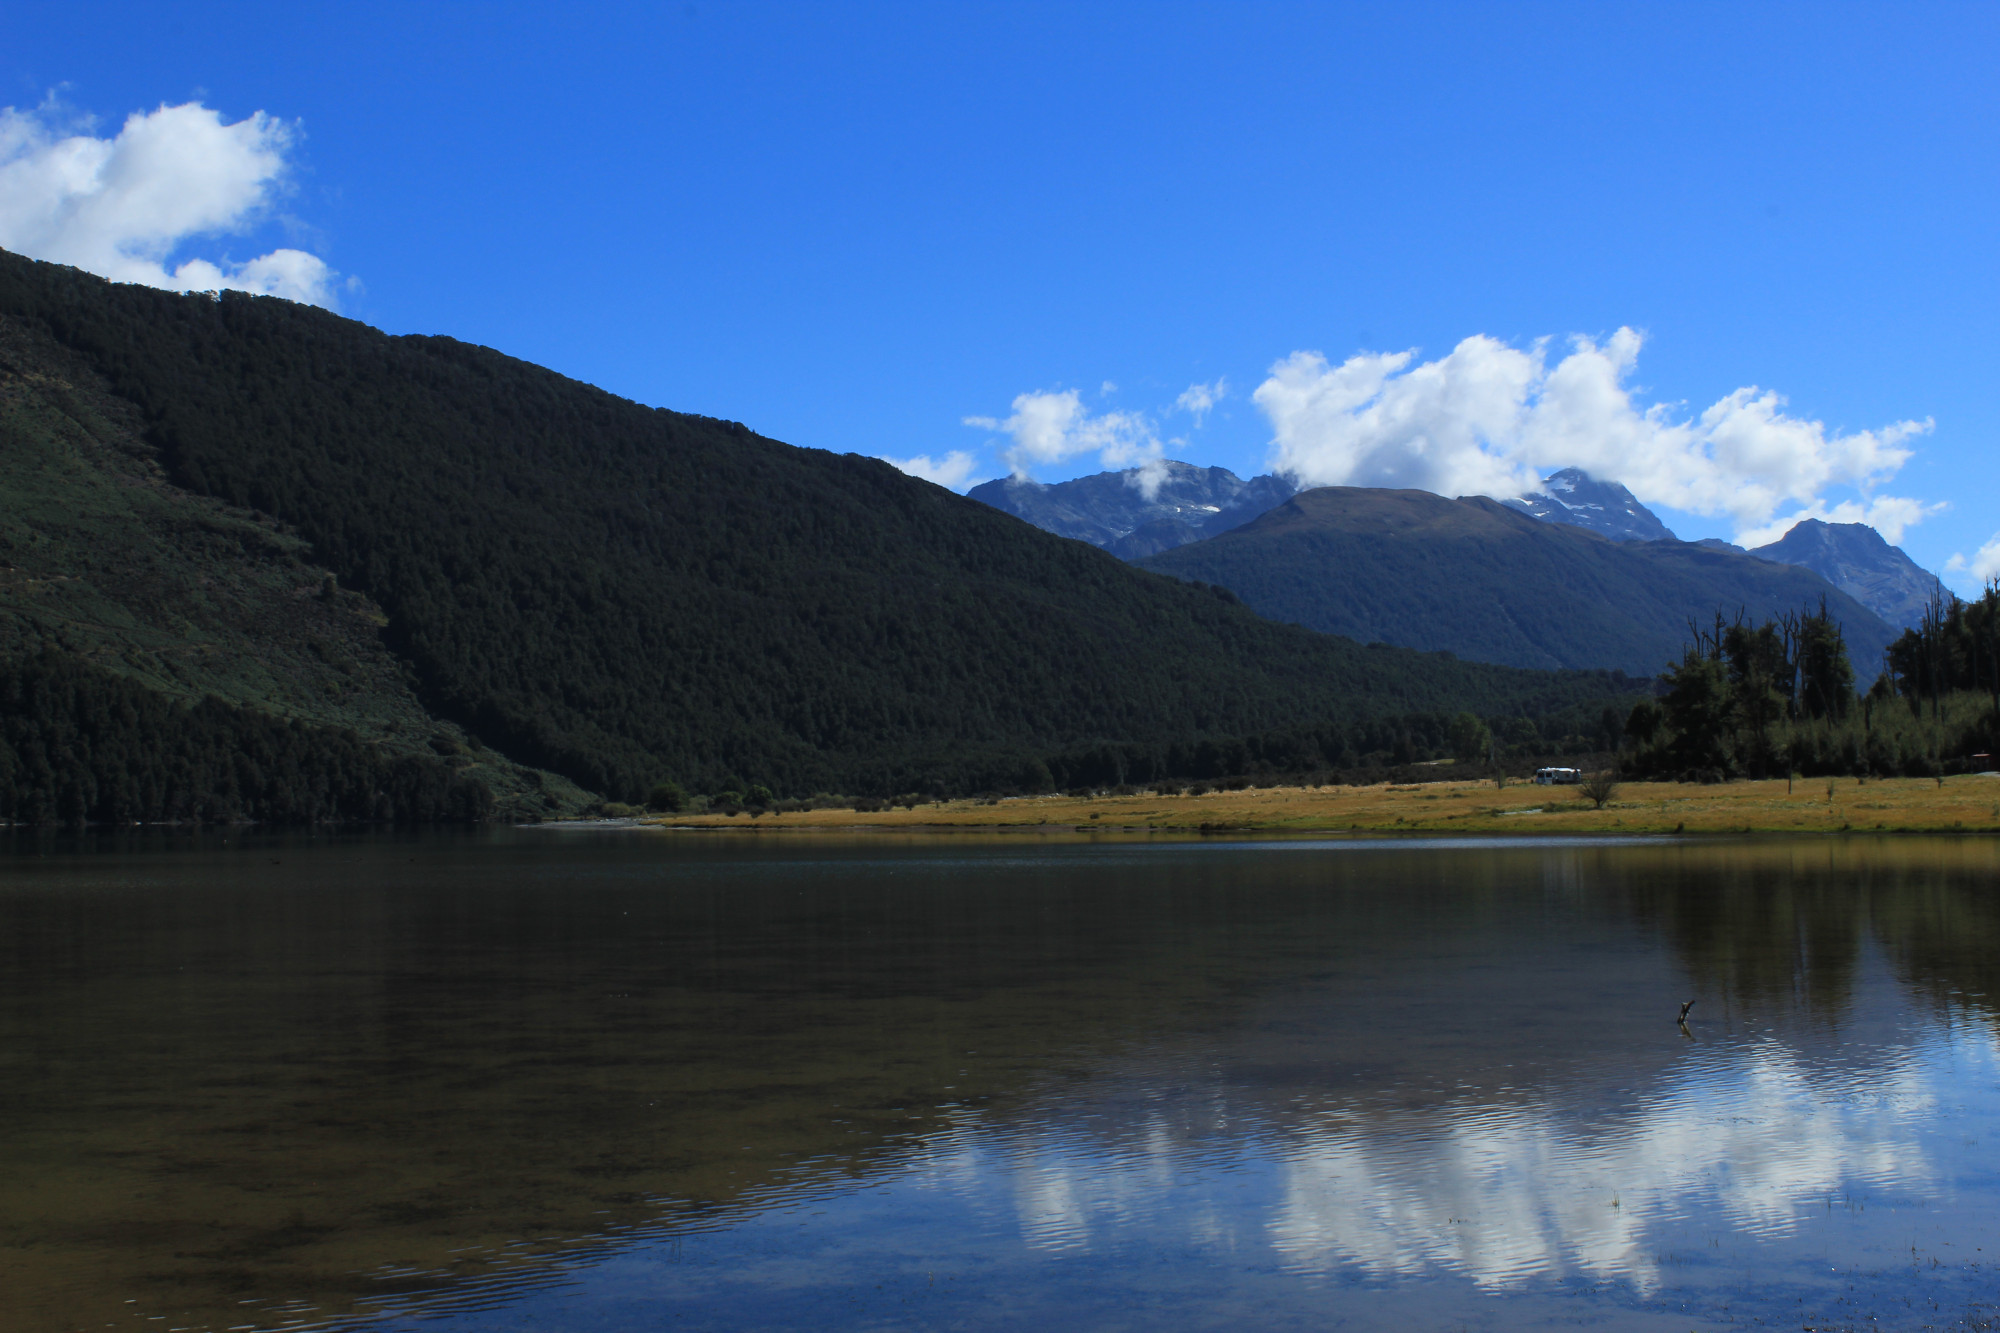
625, 595
78, 744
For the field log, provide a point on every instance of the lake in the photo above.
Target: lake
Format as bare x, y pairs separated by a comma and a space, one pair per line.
594, 1079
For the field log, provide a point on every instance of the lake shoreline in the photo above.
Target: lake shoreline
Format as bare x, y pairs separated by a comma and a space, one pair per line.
1963, 804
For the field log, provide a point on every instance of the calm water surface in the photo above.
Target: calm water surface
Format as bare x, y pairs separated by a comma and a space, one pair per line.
536, 1079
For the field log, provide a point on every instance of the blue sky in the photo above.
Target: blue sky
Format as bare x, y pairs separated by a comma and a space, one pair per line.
855, 227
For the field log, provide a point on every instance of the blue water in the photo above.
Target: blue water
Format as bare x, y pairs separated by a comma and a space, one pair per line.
547, 1080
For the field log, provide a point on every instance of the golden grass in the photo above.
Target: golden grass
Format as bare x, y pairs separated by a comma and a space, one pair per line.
1970, 803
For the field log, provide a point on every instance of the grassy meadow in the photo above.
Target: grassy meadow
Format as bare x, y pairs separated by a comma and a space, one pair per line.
1830, 805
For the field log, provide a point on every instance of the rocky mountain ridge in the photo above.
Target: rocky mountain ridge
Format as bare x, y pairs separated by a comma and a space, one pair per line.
1138, 512
1573, 496
1486, 581
1115, 511
1856, 559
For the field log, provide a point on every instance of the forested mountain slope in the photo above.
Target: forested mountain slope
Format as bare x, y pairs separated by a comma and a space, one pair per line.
624, 594
109, 570
1480, 579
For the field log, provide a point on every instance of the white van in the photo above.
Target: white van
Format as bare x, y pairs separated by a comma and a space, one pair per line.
1549, 777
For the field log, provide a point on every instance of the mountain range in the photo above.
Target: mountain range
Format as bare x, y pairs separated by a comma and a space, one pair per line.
1140, 511
1487, 581
1116, 511
483, 572
1574, 497
1854, 558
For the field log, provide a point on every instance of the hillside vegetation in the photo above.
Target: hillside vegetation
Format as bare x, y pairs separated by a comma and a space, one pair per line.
106, 565
622, 594
79, 744
1483, 581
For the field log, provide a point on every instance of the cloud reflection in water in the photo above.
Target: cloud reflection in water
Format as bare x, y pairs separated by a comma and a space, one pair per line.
1746, 1140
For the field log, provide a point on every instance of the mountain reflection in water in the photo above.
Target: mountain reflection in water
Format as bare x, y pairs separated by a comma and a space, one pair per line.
551, 1080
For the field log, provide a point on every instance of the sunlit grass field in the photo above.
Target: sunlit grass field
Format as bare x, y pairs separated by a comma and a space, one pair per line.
1970, 802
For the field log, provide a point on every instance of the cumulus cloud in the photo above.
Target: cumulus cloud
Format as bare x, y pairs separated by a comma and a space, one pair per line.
1049, 427
1491, 419
1887, 514
1198, 400
1376, 420
953, 471
122, 206
1984, 564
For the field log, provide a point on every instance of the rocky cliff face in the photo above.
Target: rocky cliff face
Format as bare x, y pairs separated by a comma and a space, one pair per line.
1122, 513
1573, 496
1854, 558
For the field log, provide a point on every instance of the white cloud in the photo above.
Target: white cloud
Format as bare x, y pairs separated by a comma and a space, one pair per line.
1374, 420
1200, 399
1887, 514
1149, 475
953, 471
120, 207
1984, 564
1048, 428
1490, 419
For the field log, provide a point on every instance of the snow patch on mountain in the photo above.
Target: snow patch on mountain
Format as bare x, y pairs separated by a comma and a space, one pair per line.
1573, 496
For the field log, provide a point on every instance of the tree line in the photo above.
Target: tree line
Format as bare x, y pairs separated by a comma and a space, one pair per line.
1771, 699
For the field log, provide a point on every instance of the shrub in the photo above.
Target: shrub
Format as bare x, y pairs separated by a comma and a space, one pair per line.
1600, 786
